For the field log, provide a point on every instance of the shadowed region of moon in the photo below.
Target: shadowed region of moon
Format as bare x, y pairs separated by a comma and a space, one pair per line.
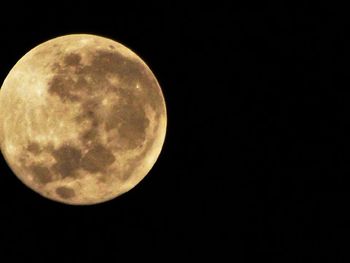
89, 120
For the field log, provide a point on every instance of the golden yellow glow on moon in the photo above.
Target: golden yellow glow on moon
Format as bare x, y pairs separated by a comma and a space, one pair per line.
82, 119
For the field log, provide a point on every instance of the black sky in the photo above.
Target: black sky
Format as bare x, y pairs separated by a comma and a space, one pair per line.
255, 163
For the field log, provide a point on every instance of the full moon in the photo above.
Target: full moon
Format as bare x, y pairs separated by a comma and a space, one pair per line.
82, 119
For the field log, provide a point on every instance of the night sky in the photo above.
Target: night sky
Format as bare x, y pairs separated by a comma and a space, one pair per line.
255, 161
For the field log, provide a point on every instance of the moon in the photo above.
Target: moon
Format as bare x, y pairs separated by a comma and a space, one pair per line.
82, 119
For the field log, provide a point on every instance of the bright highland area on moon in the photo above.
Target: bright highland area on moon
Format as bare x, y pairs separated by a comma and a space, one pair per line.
82, 119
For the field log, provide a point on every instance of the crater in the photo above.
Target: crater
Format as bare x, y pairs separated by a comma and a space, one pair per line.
97, 159
42, 174
67, 160
65, 192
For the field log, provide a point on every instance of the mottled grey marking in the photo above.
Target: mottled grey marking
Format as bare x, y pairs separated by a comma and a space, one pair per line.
72, 59
128, 116
130, 120
42, 174
97, 159
65, 192
89, 107
61, 86
88, 113
33, 147
67, 160
89, 135
129, 71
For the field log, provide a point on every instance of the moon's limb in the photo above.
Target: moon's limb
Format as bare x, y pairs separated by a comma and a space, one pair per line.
83, 119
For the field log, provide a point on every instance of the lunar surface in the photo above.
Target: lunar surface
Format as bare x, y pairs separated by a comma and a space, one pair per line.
82, 119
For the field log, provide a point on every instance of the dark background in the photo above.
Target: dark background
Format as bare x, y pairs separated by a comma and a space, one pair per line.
255, 162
